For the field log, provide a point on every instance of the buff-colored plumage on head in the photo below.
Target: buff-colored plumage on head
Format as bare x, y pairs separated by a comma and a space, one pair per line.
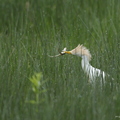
80, 50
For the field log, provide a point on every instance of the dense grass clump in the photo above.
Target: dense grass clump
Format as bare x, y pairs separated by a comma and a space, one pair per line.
34, 86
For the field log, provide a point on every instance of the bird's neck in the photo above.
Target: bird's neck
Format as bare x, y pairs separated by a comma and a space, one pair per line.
90, 70
85, 63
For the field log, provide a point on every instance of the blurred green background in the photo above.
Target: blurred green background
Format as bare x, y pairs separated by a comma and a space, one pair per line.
36, 87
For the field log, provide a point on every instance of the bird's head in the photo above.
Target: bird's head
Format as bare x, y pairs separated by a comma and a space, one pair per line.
80, 51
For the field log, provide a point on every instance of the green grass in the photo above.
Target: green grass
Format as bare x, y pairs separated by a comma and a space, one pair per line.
30, 31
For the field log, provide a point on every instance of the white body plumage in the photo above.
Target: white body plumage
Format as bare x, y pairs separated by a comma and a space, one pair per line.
92, 72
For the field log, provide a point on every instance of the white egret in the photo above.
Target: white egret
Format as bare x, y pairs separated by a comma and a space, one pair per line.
84, 53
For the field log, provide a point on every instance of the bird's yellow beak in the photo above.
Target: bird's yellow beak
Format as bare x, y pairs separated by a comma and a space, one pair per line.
68, 52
